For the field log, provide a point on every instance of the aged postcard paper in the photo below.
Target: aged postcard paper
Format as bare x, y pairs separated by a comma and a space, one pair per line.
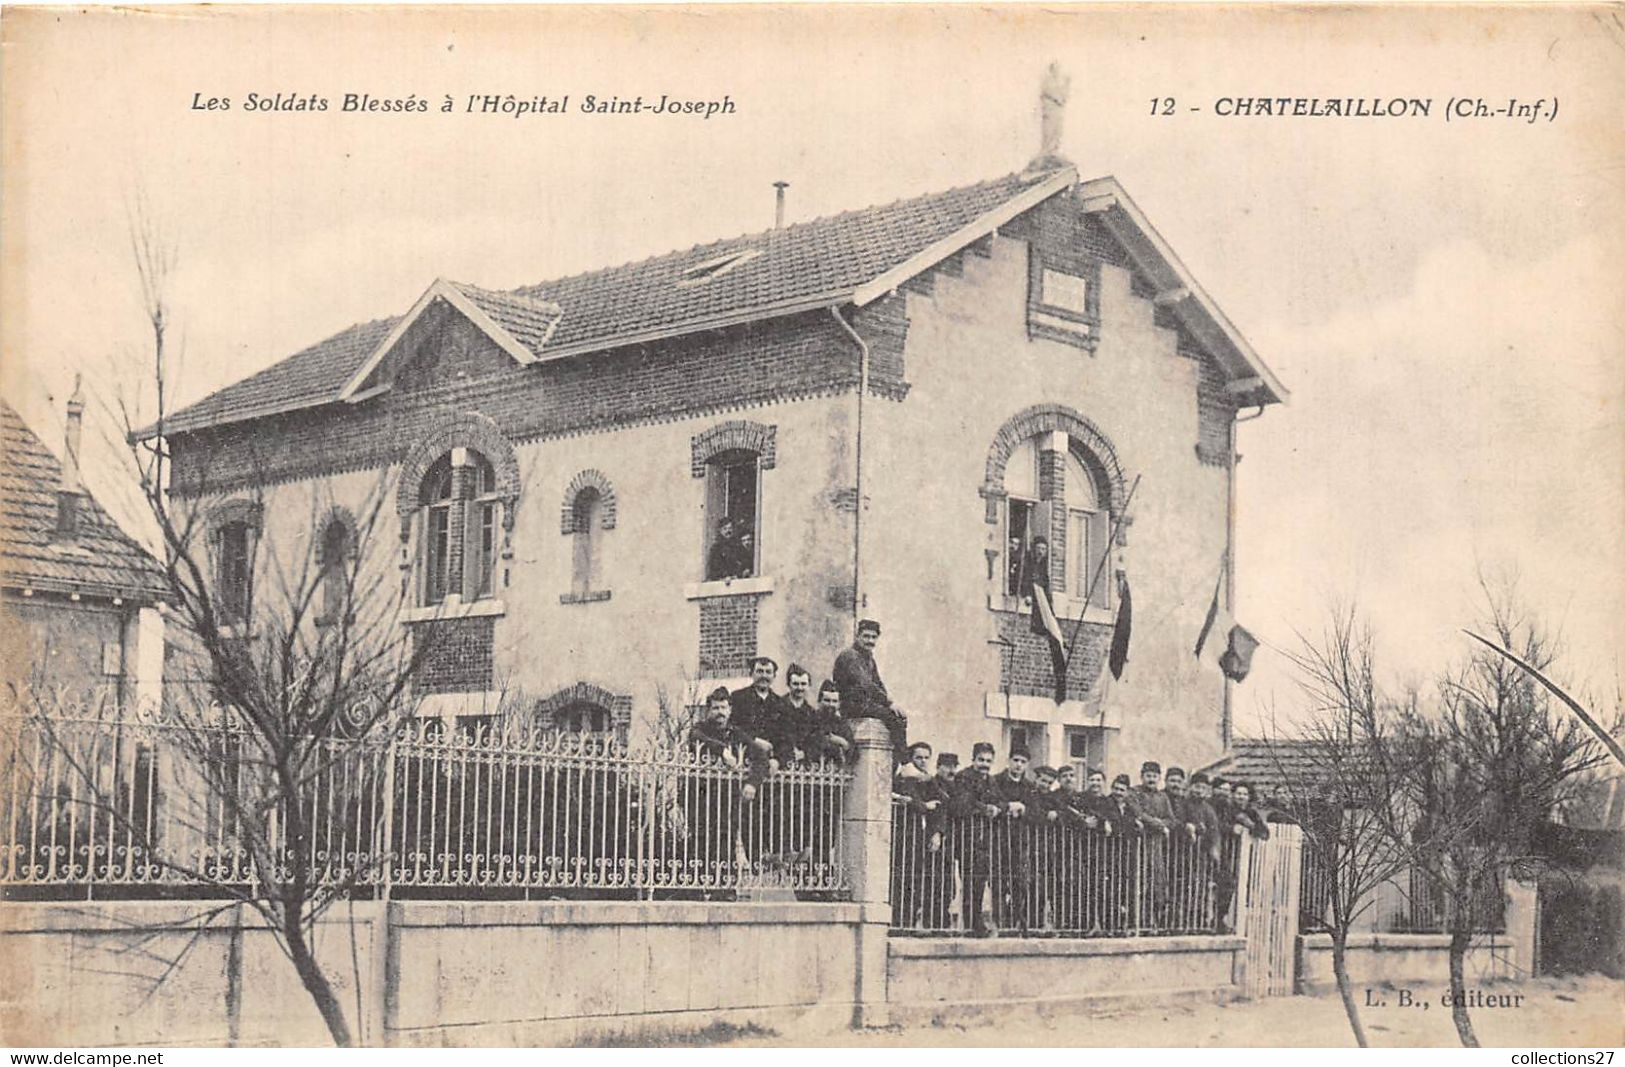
812, 525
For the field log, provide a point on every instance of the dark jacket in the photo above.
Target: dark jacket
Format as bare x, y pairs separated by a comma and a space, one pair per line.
767, 718
863, 694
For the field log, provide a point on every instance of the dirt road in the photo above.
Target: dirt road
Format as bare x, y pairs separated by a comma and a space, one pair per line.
1554, 1012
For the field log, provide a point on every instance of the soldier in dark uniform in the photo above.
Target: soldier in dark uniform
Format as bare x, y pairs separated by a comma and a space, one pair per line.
908, 835
829, 738
976, 806
1219, 884
1156, 815
942, 853
1012, 845
1126, 832
709, 796
863, 694
760, 714
1048, 882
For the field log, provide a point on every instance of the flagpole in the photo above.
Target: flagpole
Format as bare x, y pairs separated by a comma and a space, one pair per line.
1100, 568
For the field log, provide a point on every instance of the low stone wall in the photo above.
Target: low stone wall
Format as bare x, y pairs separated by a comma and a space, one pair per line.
428, 973
1419, 960
176, 973
958, 978
558, 973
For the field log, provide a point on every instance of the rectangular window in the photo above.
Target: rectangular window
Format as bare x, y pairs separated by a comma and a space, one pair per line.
1066, 292
1087, 534
1085, 748
733, 547
1020, 516
1063, 299
234, 572
437, 554
482, 548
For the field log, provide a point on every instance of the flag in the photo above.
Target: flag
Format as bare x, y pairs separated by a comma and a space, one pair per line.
1117, 659
1035, 581
1223, 642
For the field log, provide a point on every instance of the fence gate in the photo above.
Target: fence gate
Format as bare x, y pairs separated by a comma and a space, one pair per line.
1269, 918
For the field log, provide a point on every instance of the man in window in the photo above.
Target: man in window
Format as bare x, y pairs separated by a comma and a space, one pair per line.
863, 694
730, 556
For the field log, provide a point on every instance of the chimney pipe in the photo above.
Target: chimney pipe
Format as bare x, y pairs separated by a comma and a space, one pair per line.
778, 204
72, 486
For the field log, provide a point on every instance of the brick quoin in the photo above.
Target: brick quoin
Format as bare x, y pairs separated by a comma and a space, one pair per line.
727, 635
458, 657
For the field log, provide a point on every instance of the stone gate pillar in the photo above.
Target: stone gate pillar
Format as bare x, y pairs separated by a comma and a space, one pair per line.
866, 840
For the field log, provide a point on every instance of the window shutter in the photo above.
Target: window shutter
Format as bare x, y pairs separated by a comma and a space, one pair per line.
1099, 550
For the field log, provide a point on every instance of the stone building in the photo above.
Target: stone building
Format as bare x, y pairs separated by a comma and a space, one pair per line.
876, 403
80, 598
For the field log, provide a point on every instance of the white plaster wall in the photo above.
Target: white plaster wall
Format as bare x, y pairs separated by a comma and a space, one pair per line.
972, 368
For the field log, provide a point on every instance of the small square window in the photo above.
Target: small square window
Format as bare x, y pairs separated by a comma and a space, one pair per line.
1068, 292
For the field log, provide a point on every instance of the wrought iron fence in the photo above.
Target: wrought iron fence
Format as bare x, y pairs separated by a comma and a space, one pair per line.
972, 874
1409, 902
105, 801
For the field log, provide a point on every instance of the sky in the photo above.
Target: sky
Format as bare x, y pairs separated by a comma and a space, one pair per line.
1442, 298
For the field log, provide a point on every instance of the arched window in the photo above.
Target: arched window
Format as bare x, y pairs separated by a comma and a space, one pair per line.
585, 520
334, 550
460, 522
581, 716
435, 505
1087, 532
1053, 490
234, 568
484, 522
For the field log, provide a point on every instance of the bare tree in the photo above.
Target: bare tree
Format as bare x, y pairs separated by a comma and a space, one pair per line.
1492, 763
284, 657
1342, 775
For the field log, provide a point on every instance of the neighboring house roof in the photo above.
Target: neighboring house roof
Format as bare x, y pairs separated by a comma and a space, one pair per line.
1276, 762
855, 257
101, 560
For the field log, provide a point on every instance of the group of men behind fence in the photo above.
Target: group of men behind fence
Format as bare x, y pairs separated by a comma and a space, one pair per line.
1048, 851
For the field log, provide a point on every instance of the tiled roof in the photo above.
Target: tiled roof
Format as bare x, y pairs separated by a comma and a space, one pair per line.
100, 561
1254, 761
797, 266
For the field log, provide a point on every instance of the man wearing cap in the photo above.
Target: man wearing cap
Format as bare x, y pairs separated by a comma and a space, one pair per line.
1012, 843
936, 798
1219, 849
829, 735
1122, 871
1049, 884
976, 805
863, 694
1156, 814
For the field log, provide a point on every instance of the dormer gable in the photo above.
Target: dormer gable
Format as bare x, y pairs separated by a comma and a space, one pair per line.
455, 331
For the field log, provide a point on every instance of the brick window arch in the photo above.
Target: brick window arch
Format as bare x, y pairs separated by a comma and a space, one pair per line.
584, 706
458, 493
337, 546
731, 458
235, 527
593, 480
1069, 498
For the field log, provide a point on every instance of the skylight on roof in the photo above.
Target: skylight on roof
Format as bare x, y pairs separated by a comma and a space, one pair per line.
715, 268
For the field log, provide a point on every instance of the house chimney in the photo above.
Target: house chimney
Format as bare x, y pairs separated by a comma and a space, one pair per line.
71, 487
778, 204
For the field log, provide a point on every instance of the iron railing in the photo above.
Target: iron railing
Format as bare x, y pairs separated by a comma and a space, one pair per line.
102, 801
972, 874
1409, 902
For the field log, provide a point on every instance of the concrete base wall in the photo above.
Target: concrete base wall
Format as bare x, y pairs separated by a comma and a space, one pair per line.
175, 973
560, 973
428, 973
958, 978
1399, 959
